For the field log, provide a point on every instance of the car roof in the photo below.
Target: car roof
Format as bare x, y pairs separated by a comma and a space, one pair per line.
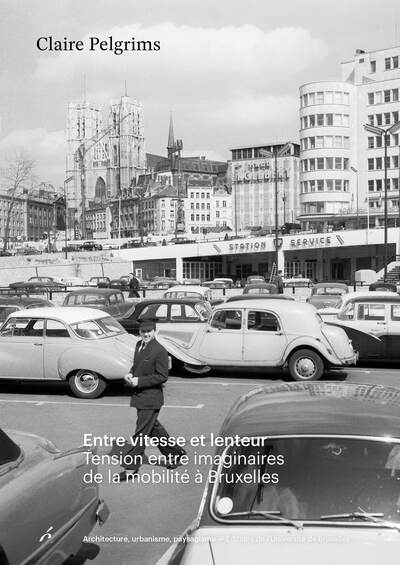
180, 300
316, 408
241, 297
91, 290
187, 288
260, 284
374, 296
67, 314
291, 307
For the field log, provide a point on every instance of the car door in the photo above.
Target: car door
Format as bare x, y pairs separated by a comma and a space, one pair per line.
21, 347
57, 340
222, 342
393, 332
366, 325
264, 342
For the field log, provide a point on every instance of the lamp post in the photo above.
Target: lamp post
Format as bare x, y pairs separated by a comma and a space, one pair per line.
358, 215
66, 216
384, 132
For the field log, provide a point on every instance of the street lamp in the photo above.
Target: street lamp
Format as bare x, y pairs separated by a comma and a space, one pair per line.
358, 216
66, 215
383, 132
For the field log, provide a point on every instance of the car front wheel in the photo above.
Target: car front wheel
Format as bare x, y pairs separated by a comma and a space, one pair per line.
306, 365
87, 384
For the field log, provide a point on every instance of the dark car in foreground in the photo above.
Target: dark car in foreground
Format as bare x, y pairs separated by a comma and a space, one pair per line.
322, 486
175, 317
46, 506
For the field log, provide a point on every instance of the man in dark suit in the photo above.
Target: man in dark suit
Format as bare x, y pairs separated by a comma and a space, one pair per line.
148, 373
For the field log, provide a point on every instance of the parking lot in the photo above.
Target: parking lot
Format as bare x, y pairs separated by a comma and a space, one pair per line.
145, 517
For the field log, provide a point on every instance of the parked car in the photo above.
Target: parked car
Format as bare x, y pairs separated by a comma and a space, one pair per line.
299, 282
105, 299
330, 313
73, 281
119, 284
176, 317
9, 304
28, 251
91, 245
71, 247
189, 291
180, 240
255, 279
46, 507
260, 288
36, 287
5, 253
132, 244
320, 486
373, 325
43, 279
326, 294
99, 282
383, 286
266, 333
85, 347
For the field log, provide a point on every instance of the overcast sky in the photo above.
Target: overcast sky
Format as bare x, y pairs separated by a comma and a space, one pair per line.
229, 70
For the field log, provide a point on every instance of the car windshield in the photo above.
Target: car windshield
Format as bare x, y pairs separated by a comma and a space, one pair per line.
330, 290
9, 451
182, 294
97, 329
357, 476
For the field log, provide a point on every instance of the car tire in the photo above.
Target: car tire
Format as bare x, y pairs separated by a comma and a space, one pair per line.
306, 365
87, 384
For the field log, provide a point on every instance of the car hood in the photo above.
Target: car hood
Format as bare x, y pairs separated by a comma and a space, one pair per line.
285, 546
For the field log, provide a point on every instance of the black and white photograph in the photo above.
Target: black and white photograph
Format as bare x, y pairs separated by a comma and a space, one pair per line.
199, 282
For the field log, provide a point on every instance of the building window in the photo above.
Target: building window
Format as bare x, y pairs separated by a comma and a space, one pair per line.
378, 163
370, 97
387, 64
370, 164
370, 186
371, 142
386, 95
373, 66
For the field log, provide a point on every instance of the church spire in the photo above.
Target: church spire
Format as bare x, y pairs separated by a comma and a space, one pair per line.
171, 138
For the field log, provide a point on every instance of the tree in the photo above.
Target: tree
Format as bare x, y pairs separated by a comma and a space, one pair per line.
16, 176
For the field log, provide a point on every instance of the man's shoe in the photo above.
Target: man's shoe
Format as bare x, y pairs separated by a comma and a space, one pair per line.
125, 475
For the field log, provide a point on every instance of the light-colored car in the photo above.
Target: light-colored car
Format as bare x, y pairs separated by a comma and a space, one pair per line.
46, 507
85, 347
329, 313
73, 281
304, 474
265, 333
189, 291
372, 323
326, 294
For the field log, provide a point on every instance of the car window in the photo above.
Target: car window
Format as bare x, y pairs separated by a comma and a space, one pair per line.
347, 312
17, 327
9, 451
176, 312
119, 297
352, 473
262, 321
112, 298
159, 311
227, 320
71, 300
55, 328
190, 313
330, 290
90, 299
203, 311
395, 312
372, 312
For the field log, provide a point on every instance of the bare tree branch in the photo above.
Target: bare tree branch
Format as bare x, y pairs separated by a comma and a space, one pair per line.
15, 176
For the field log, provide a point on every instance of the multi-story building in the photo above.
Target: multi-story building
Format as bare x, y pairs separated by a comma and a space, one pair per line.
342, 165
102, 159
255, 179
208, 208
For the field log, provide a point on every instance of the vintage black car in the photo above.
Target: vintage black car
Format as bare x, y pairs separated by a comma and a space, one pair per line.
107, 299
175, 317
9, 304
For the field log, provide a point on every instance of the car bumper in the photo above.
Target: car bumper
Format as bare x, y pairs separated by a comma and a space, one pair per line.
352, 360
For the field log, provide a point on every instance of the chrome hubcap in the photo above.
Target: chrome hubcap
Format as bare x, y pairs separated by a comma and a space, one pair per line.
305, 368
86, 382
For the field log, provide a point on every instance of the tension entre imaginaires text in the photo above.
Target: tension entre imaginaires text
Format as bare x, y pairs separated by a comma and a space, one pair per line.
93, 43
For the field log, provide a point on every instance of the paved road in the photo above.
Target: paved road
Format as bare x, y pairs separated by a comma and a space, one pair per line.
193, 407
